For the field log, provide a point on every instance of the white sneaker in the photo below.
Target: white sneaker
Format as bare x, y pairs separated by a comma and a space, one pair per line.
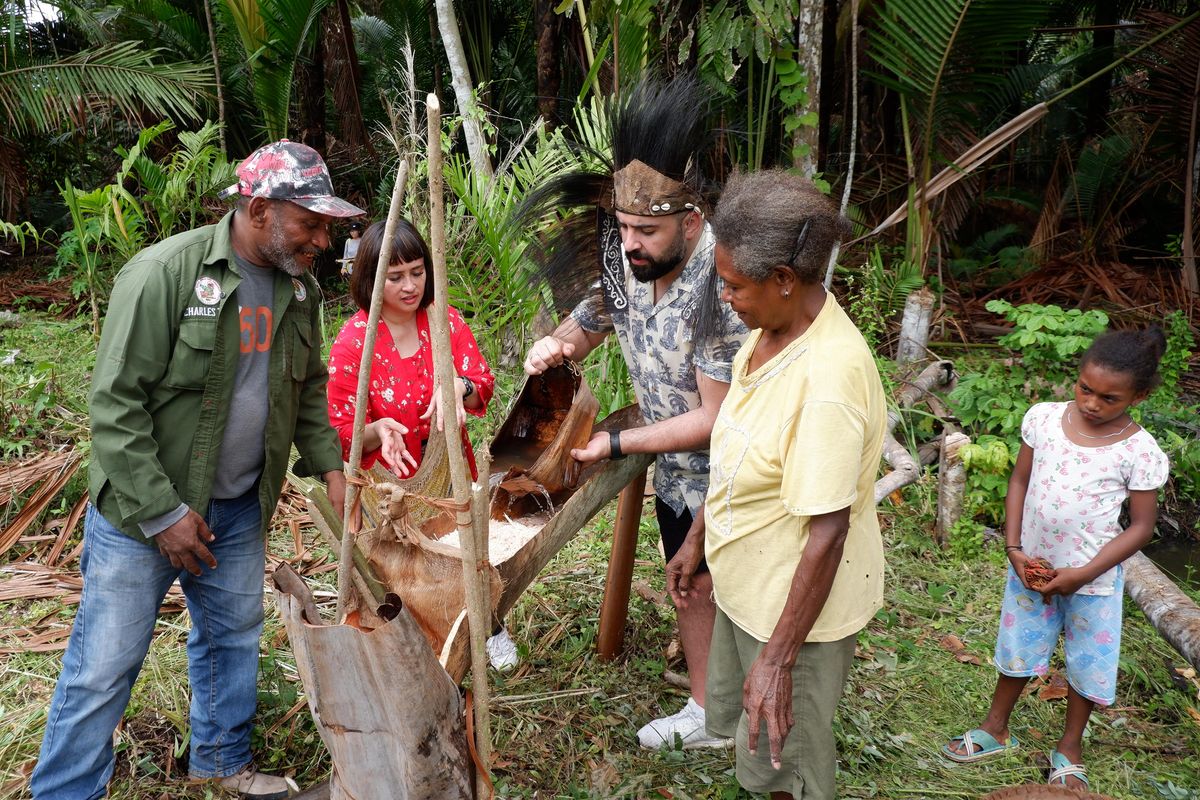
687, 725
250, 784
502, 651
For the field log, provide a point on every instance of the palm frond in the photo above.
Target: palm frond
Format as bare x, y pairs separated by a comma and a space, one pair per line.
44, 95
945, 57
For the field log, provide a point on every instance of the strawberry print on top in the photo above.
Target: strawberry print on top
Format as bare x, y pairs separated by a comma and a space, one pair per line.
400, 387
1075, 493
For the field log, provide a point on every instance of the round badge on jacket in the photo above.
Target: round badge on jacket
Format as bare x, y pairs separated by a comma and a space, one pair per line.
208, 290
301, 292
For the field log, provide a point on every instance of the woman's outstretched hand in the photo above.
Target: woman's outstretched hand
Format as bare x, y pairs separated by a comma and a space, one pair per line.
392, 447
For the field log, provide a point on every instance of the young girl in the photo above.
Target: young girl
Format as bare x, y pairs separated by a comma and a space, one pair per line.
1078, 462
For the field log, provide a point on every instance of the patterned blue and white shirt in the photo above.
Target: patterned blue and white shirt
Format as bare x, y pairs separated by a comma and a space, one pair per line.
661, 351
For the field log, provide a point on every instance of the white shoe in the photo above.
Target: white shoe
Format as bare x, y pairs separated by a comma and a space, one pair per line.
685, 728
250, 784
502, 651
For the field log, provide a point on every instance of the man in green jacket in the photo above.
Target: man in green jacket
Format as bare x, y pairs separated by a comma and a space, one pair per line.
208, 370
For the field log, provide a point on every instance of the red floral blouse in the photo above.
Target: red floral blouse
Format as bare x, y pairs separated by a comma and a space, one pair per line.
400, 387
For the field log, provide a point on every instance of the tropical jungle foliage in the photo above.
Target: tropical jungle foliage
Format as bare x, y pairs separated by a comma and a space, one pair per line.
1032, 163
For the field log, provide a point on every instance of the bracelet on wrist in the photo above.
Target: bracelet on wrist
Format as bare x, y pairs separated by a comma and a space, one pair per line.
468, 385
614, 445
1010, 547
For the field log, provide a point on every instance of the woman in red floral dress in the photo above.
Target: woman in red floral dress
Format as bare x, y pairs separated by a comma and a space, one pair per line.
403, 406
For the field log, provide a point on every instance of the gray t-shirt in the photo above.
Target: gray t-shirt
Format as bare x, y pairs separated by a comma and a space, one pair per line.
243, 446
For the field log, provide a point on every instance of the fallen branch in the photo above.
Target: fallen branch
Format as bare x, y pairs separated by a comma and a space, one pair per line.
906, 469
1172, 613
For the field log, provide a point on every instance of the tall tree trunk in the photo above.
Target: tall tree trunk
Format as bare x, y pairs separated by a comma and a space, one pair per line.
343, 75
212, 43
1099, 92
547, 26
829, 89
809, 43
460, 77
1190, 281
310, 100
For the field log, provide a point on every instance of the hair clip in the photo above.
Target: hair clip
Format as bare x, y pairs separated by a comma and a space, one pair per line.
800, 239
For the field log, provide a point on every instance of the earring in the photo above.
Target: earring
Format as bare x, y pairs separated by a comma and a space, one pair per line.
787, 292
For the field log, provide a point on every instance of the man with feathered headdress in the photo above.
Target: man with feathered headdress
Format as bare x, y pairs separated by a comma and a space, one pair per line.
630, 250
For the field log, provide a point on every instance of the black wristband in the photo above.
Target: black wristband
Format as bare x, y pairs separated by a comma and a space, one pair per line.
1010, 547
614, 445
468, 384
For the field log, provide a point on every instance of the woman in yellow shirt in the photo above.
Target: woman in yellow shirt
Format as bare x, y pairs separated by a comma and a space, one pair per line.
789, 530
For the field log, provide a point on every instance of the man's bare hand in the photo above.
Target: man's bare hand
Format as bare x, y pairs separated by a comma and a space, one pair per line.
335, 487
682, 568
184, 543
547, 352
598, 447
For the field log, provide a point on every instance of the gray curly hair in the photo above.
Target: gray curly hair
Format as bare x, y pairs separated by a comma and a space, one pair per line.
775, 218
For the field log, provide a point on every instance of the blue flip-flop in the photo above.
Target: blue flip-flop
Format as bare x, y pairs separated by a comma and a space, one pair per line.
1061, 768
988, 746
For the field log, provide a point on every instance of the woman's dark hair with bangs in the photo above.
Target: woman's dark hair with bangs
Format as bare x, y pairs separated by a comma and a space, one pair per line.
407, 245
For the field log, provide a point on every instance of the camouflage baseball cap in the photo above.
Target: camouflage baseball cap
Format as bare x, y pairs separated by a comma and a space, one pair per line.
292, 171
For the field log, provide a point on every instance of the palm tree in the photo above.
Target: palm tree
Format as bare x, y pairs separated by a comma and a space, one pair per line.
43, 91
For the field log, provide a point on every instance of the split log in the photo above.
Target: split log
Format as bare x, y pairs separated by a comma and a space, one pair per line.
952, 482
1172, 613
914, 327
387, 712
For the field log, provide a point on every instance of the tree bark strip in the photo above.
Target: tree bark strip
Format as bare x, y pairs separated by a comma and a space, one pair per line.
387, 712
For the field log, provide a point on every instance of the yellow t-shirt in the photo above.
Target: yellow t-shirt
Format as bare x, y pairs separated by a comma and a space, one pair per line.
802, 435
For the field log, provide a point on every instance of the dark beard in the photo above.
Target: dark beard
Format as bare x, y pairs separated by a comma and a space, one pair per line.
655, 268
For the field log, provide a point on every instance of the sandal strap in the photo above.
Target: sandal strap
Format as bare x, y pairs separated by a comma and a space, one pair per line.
1071, 770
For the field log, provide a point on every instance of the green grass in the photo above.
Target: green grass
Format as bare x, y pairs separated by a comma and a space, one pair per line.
564, 722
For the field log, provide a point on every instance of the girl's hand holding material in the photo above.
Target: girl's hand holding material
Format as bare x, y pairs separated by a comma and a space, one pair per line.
1019, 560
1036, 573
1066, 581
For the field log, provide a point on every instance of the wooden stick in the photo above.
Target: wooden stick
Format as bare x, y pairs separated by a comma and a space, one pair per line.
614, 608
346, 554
479, 614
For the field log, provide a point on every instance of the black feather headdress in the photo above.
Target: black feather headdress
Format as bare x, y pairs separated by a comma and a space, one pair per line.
661, 124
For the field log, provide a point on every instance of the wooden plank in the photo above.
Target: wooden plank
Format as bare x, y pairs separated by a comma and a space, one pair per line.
521, 570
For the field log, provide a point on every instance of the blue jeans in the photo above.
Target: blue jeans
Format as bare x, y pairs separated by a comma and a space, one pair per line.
124, 582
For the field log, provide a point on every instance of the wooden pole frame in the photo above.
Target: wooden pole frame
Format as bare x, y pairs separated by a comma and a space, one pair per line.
353, 467
474, 562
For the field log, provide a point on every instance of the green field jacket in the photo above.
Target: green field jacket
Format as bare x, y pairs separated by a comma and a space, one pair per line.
164, 377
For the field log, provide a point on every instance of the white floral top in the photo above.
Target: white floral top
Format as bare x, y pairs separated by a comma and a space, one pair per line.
1075, 493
